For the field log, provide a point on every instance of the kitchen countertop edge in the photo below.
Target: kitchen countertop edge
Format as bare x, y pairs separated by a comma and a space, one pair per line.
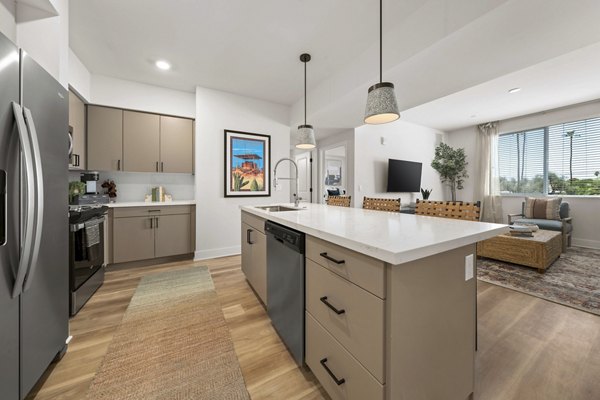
151, 204
393, 257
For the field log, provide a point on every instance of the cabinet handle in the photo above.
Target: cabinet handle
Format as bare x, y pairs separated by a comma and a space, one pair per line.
331, 374
328, 304
151, 223
153, 210
118, 165
162, 166
248, 232
157, 166
156, 222
324, 255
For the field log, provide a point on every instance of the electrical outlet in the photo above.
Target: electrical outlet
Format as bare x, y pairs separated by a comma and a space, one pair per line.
469, 267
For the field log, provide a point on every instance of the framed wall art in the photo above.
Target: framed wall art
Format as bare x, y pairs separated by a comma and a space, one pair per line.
247, 164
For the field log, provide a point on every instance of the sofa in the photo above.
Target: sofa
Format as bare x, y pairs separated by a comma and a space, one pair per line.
563, 225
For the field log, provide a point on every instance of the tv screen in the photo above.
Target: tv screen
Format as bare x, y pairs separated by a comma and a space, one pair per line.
404, 176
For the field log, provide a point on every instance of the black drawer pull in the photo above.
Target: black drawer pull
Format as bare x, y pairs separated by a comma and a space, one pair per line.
331, 374
324, 255
248, 239
328, 304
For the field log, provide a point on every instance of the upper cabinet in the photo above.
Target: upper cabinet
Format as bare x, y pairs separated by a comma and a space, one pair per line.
105, 138
77, 123
176, 142
141, 142
134, 141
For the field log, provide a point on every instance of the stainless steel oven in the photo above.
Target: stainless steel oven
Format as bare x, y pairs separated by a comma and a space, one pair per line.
86, 253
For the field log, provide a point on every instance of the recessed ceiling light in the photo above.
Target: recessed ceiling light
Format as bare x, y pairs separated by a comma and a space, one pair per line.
162, 64
473, 115
514, 90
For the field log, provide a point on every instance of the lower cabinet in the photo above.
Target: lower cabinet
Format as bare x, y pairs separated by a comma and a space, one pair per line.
254, 255
172, 235
143, 233
133, 239
342, 376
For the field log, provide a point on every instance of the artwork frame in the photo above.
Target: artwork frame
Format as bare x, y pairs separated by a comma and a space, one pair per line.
247, 155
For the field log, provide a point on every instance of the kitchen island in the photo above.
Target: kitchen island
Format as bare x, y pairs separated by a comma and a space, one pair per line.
390, 298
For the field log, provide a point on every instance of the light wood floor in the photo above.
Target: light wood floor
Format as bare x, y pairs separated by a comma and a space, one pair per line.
529, 348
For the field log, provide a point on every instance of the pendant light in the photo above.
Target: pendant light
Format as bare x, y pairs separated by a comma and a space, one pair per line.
381, 100
306, 133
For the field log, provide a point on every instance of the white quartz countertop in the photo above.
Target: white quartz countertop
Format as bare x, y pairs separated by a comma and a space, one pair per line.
391, 237
151, 204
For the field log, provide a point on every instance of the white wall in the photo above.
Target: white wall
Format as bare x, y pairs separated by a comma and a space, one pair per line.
46, 40
133, 186
345, 138
218, 218
8, 26
403, 141
80, 79
139, 96
584, 210
465, 138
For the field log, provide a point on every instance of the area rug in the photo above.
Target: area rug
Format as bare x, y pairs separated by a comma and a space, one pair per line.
573, 280
173, 343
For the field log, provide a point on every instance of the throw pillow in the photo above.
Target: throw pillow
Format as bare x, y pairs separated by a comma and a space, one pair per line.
543, 208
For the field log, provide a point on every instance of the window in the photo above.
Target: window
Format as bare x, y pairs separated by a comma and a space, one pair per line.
558, 159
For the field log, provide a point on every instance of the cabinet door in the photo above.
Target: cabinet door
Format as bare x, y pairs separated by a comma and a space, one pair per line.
105, 138
254, 260
141, 140
173, 235
259, 264
176, 144
246, 251
133, 239
77, 122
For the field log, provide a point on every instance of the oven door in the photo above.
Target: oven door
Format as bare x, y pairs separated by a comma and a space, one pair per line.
86, 247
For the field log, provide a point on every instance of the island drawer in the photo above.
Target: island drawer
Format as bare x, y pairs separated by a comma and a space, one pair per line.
362, 270
340, 374
254, 221
120, 212
353, 316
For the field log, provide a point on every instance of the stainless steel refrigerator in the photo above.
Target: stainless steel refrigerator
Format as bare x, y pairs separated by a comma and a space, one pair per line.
34, 304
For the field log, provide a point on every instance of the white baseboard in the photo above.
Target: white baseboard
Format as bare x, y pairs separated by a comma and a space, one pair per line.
591, 244
216, 253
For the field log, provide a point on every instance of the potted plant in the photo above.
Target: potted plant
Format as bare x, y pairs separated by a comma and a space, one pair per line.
451, 164
426, 193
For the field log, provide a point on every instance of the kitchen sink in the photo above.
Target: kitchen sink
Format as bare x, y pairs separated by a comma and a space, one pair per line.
278, 208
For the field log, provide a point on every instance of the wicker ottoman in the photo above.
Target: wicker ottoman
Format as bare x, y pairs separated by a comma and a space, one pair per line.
539, 251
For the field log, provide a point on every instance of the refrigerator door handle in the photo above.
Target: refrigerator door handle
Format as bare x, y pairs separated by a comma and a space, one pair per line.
27, 245
39, 197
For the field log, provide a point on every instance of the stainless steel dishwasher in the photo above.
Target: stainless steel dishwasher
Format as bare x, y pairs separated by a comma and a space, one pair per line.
285, 286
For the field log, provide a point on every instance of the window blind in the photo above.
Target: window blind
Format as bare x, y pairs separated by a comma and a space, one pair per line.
562, 159
521, 161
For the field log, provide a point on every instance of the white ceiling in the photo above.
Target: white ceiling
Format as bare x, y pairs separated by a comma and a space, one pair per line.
449, 59
246, 47
569, 79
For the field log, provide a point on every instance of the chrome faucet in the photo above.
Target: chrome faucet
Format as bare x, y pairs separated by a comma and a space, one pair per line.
296, 197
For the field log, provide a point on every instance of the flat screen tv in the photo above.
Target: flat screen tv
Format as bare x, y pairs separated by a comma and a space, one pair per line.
404, 176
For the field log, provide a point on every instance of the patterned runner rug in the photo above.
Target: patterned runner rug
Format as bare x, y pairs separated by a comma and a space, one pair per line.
573, 280
173, 343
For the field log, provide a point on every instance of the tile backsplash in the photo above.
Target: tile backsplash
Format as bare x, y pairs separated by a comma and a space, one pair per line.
133, 186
